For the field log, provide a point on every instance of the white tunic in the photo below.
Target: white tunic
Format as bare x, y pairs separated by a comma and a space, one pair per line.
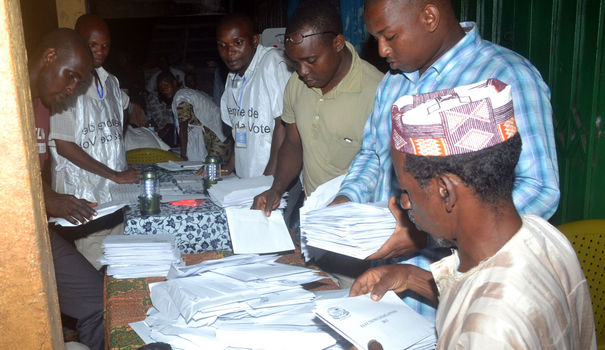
250, 104
207, 112
531, 294
94, 124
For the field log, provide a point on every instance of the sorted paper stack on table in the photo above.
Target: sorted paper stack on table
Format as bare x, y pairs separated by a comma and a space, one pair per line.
139, 256
243, 301
352, 229
234, 191
389, 321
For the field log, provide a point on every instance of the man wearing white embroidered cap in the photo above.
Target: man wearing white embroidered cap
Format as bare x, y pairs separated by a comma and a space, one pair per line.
514, 281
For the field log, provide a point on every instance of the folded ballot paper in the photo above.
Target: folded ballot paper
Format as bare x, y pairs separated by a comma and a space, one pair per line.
235, 191
352, 229
243, 301
389, 321
254, 233
180, 165
136, 256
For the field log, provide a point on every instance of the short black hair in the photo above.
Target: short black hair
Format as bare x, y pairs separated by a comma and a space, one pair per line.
489, 172
321, 15
244, 20
64, 40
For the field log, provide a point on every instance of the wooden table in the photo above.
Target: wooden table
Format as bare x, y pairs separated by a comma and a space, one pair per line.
127, 300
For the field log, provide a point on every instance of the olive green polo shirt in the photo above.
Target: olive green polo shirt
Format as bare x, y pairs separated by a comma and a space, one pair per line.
331, 125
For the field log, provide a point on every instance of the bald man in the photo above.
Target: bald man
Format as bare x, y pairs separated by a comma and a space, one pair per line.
61, 61
87, 145
252, 102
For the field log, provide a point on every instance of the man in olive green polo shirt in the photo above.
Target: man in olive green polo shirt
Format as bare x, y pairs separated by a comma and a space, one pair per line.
326, 102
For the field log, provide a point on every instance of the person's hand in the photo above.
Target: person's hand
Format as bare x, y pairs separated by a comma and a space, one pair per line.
267, 201
339, 200
372, 345
184, 157
127, 176
379, 280
69, 207
406, 238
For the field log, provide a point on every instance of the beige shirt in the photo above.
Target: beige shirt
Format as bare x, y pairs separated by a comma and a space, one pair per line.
531, 294
331, 125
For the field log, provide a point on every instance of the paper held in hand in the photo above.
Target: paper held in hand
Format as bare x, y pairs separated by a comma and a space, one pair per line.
254, 233
389, 321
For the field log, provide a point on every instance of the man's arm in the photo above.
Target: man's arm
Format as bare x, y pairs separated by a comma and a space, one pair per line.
279, 134
67, 206
76, 155
406, 239
289, 163
536, 189
398, 278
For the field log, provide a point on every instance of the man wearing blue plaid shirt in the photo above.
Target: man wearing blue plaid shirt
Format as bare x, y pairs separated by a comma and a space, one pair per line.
429, 50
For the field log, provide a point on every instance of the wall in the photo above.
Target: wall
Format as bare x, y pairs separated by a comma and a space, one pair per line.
29, 308
39, 17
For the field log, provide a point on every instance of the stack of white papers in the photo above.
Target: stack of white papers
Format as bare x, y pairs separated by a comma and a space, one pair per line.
180, 165
254, 233
352, 229
187, 186
234, 191
244, 301
389, 321
136, 256
323, 195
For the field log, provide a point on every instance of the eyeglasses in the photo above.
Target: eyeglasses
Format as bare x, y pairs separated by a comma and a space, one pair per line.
296, 38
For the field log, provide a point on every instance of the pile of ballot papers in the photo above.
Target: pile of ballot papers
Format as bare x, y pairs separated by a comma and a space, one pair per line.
234, 191
252, 302
352, 229
242, 301
389, 321
139, 256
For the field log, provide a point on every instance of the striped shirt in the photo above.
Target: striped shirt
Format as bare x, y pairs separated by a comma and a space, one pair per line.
371, 177
531, 294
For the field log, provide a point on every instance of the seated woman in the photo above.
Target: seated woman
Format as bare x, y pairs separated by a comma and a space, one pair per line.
199, 122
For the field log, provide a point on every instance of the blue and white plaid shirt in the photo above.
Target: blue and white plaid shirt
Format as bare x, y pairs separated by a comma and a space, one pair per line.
371, 177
